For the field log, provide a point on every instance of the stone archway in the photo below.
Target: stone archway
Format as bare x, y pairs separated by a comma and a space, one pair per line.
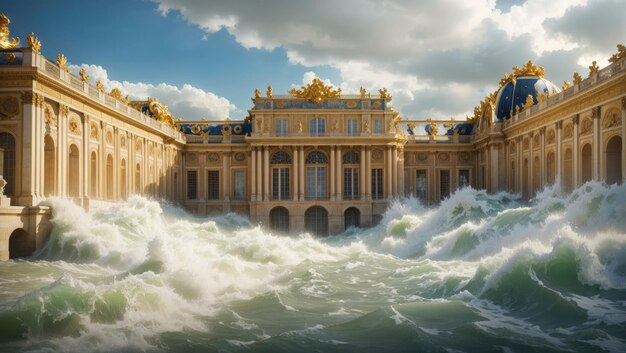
613, 161
316, 221
279, 219
352, 218
20, 244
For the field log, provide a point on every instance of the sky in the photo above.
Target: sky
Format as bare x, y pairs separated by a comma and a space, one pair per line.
204, 58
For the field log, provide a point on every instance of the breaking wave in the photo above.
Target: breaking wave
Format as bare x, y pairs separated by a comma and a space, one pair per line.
478, 273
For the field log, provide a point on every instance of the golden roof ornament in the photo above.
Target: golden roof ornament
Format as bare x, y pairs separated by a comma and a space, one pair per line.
433, 129
116, 93
529, 102
160, 111
577, 78
566, 85
5, 41
316, 91
34, 43
269, 91
528, 69
594, 68
257, 93
384, 94
363, 92
83, 75
620, 55
100, 86
62, 62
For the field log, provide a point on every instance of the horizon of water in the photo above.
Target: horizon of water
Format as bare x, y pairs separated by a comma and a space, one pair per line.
477, 273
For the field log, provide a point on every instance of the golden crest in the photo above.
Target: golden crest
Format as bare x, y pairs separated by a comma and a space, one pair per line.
34, 43
83, 75
62, 62
384, 94
316, 92
620, 55
100, 86
5, 41
577, 78
116, 93
594, 68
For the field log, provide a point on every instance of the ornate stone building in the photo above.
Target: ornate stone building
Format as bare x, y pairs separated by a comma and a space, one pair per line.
314, 160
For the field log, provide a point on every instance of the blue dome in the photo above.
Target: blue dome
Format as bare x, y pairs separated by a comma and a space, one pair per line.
515, 92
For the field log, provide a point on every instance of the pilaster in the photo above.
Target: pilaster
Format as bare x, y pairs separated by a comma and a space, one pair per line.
595, 113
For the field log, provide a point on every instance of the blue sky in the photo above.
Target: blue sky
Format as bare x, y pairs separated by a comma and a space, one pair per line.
205, 58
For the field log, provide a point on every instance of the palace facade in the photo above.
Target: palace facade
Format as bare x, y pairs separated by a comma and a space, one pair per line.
314, 160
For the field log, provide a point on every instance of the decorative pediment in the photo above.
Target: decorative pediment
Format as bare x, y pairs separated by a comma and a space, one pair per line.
316, 91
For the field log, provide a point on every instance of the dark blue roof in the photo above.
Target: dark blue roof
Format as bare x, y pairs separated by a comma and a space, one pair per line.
514, 93
463, 129
216, 129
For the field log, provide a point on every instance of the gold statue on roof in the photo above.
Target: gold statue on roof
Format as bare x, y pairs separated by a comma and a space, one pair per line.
529, 102
116, 93
160, 111
34, 43
577, 78
594, 68
5, 41
433, 129
528, 69
83, 75
100, 86
566, 85
257, 93
620, 55
62, 62
384, 94
269, 91
363, 92
316, 91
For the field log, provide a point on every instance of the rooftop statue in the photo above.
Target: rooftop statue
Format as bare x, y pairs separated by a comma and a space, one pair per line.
34, 43
5, 41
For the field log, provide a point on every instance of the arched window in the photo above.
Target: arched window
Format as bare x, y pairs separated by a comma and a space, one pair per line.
350, 175
316, 221
281, 163
586, 163
316, 169
7, 143
551, 168
352, 217
317, 126
279, 219
49, 166
614, 161
73, 171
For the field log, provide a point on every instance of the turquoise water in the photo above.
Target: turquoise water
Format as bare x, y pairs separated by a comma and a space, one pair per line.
478, 273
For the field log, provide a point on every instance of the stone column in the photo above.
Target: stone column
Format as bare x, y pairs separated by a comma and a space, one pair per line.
544, 174
62, 152
575, 153
595, 113
623, 137
531, 164
362, 174
389, 173
266, 173
400, 172
495, 167
368, 173
295, 172
394, 170
253, 175
518, 178
259, 174
559, 153
301, 189
227, 178
333, 174
26, 192
339, 185
86, 159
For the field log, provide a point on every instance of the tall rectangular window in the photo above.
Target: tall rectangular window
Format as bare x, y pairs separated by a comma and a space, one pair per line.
377, 183
281, 127
444, 184
317, 127
353, 127
421, 184
240, 185
464, 178
351, 183
316, 182
280, 183
213, 188
378, 126
192, 184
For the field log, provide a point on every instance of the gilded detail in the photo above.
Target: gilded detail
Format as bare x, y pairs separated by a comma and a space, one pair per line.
5, 41
620, 55
577, 79
10, 57
316, 92
116, 93
83, 75
384, 94
100, 86
62, 62
34, 43
594, 68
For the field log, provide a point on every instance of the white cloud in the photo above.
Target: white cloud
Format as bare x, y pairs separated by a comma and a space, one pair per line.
188, 102
436, 57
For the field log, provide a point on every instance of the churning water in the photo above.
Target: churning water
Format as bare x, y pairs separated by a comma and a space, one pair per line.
479, 273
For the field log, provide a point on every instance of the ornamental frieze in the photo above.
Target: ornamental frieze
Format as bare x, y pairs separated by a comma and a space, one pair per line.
612, 119
49, 117
9, 107
586, 126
